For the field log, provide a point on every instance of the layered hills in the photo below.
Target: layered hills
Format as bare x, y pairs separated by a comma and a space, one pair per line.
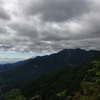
55, 77
44, 65
9, 66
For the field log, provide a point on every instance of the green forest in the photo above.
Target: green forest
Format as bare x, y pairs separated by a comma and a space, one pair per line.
80, 82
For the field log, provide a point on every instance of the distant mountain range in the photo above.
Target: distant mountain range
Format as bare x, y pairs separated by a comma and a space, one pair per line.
49, 64
9, 66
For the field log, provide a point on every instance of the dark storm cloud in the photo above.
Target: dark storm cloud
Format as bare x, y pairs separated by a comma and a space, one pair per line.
24, 30
3, 14
5, 47
57, 10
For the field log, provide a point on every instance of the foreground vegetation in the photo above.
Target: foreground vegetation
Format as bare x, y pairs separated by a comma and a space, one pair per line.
90, 88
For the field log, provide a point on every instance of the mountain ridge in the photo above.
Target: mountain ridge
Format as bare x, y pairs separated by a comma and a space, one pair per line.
44, 65
9, 66
62, 84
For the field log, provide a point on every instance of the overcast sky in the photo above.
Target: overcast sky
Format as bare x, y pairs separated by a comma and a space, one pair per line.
42, 26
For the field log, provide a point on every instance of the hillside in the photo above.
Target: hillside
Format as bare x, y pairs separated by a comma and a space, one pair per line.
44, 65
9, 66
5, 67
68, 81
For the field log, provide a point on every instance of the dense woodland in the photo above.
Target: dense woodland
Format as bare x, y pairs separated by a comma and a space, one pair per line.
79, 82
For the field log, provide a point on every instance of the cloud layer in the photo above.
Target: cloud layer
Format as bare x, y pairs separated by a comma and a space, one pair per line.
49, 25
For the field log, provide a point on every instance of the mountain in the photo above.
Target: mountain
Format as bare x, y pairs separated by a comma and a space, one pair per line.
44, 65
4, 67
63, 84
9, 66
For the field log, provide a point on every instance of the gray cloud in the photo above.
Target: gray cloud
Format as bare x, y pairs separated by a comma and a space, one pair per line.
5, 47
1, 2
3, 14
24, 30
49, 25
57, 10
3, 30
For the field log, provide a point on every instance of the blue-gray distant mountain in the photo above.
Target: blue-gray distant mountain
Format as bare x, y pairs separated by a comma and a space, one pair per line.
9, 66
44, 65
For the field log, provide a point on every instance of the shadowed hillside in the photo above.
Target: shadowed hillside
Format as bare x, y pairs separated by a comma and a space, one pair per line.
44, 65
63, 84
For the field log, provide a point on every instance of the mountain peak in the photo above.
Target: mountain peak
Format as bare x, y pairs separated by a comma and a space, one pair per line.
46, 65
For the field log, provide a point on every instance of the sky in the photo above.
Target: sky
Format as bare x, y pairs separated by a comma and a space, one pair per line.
36, 27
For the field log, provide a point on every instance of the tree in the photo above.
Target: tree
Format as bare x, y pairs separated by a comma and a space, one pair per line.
14, 94
91, 88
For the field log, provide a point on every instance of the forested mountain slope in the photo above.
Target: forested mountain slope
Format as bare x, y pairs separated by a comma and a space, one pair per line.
44, 65
68, 81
